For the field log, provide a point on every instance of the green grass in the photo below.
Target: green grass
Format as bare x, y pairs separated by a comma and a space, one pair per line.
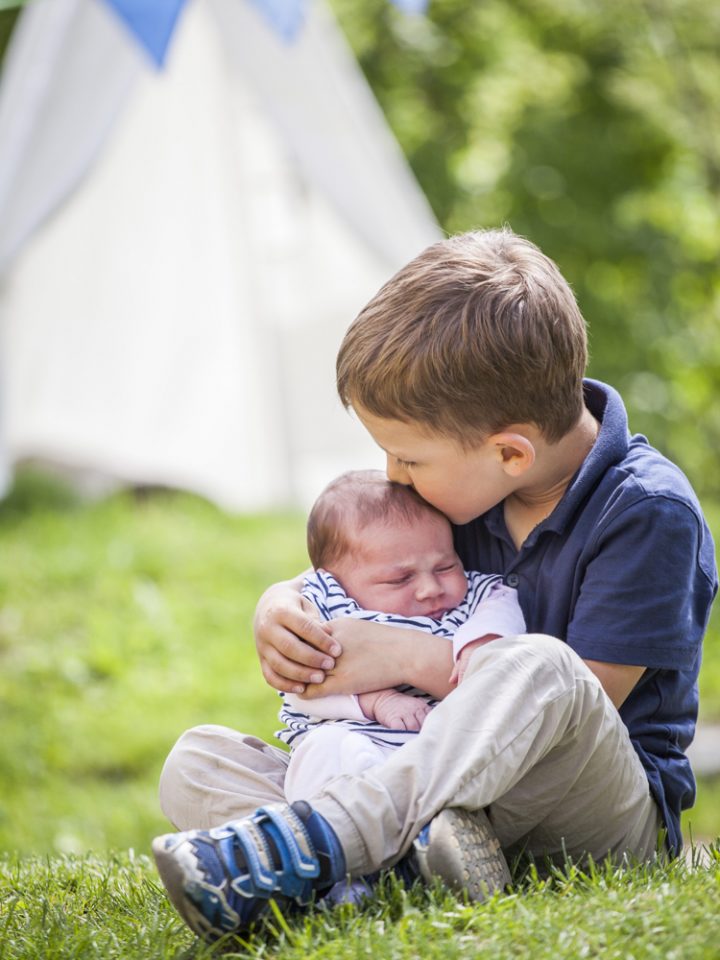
123, 623
112, 907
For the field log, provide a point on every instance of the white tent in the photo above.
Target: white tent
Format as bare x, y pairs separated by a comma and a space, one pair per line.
181, 250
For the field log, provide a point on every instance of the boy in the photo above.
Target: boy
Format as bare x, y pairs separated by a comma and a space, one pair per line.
381, 553
467, 369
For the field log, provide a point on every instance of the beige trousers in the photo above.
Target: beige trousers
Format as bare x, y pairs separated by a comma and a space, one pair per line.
530, 735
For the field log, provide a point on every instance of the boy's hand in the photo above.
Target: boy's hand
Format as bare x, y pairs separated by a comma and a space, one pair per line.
395, 710
293, 645
376, 656
461, 664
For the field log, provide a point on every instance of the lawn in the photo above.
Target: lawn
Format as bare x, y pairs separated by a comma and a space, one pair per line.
112, 908
121, 624
124, 622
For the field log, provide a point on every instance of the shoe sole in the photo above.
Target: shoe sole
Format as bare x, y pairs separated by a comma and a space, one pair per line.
463, 851
173, 877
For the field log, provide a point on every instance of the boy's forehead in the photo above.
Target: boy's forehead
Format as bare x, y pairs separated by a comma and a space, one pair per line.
391, 433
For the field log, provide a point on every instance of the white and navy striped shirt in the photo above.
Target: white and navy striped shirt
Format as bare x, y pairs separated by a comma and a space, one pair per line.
488, 607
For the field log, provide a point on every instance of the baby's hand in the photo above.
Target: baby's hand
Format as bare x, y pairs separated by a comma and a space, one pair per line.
397, 711
461, 664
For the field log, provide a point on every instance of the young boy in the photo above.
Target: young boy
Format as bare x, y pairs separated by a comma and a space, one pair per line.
381, 553
467, 369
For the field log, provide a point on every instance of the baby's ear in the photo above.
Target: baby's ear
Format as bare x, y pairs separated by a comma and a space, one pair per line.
515, 451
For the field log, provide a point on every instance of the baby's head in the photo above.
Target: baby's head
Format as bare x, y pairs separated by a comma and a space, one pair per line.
389, 549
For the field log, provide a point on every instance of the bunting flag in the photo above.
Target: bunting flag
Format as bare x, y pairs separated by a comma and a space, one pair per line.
284, 16
151, 23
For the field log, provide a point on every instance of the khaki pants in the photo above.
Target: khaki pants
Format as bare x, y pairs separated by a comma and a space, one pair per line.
530, 735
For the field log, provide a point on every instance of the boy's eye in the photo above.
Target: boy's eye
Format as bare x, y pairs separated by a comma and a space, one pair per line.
447, 568
398, 582
405, 464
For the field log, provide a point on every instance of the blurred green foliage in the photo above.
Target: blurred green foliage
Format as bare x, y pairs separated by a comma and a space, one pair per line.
593, 128
9, 12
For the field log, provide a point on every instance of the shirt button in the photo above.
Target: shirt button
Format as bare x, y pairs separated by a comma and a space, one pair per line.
512, 579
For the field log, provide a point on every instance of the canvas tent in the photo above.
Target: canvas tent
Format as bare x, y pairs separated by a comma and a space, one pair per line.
182, 249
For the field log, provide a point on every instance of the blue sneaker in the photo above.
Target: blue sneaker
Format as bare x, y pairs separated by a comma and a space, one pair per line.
460, 848
221, 880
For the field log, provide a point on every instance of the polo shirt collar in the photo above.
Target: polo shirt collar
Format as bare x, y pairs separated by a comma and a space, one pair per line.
610, 447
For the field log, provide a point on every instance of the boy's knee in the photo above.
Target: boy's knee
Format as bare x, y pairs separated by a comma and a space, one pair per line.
180, 759
196, 739
558, 656
547, 654
190, 755
548, 649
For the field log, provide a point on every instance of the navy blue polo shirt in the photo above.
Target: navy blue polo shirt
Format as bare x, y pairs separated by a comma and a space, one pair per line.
623, 570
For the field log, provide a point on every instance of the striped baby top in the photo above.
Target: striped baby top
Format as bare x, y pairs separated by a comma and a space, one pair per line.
488, 607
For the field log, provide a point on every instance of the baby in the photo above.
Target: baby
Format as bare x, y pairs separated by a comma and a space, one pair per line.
381, 553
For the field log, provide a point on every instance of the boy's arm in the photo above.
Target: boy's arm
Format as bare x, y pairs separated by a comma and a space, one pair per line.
416, 657
617, 679
645, 594
300, 654
376, 656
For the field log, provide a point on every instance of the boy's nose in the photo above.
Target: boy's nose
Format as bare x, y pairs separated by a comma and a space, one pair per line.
397, 473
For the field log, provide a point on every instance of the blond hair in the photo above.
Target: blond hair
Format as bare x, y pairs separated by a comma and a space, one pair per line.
478, 332
351, 502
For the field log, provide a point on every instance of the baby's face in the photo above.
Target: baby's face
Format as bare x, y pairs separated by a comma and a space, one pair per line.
406, 568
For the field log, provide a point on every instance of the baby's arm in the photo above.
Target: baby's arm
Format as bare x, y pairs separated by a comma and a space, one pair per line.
337, 706
394, 710
497, 614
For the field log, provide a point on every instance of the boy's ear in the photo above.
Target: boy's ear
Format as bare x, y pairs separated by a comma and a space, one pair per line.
515, 451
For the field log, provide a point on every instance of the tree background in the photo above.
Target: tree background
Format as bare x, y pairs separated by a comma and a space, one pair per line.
593, 128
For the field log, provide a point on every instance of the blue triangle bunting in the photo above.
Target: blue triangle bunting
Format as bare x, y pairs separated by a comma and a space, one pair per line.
151, 22
284, 16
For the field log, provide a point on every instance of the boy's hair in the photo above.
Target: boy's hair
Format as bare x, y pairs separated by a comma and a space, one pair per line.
478, 332
353, 501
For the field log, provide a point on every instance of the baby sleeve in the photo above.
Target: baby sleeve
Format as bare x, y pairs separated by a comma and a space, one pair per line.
338, 706
497, 611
